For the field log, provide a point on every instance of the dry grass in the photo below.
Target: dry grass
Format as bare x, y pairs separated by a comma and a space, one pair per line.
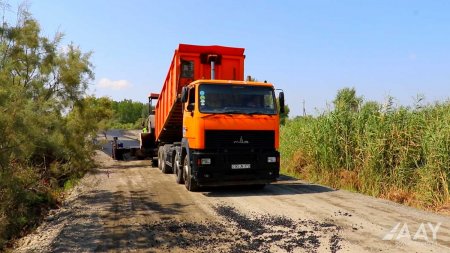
401, 196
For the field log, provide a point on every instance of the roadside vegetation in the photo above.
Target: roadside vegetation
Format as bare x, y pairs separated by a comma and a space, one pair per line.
47, 122
394, 152
127, 114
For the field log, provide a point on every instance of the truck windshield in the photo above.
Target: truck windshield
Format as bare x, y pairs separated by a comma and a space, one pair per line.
239, 99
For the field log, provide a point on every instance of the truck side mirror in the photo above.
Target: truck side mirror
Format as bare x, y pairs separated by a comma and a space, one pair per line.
190, 107
281, 99
184, 95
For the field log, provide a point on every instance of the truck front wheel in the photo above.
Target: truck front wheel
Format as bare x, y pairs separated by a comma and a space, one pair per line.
189, 182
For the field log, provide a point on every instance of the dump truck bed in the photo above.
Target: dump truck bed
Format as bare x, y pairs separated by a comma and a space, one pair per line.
192, 63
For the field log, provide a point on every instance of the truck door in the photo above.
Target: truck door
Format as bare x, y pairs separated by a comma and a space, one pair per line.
188, 116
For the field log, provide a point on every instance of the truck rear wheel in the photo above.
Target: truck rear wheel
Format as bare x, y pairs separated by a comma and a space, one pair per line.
189, 182
163, 162
178, 169
163, 156
160, 161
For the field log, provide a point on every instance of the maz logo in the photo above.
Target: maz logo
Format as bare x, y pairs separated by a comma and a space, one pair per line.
241, 141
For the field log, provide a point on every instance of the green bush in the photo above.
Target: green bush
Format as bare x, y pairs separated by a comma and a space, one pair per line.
45, 122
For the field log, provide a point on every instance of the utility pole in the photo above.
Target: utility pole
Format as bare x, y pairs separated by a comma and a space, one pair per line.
304, 109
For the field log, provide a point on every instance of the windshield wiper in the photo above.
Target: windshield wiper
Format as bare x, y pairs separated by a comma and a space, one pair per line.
260, 112
217, 114
255, 112
234, 112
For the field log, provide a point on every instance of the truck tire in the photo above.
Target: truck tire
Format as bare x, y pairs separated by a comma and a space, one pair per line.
258, 186
174, 162
178, 169
164, 155
163, 162
189, 182
160, 159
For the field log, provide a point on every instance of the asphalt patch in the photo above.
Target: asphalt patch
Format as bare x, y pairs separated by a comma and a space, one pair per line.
268, 232
246, 233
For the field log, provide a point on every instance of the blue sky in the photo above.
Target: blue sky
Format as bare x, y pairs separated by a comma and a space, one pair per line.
310, 48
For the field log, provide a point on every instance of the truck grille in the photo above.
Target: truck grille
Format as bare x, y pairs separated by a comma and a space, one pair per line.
231, 139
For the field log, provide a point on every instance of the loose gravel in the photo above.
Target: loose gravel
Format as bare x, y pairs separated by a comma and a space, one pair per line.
245, 233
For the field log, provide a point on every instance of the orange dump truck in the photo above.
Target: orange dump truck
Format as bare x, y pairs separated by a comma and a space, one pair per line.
211, 127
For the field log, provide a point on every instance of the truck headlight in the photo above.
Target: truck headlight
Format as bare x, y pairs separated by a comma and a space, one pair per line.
271, 159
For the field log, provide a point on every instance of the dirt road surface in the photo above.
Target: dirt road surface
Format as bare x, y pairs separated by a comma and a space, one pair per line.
128, 206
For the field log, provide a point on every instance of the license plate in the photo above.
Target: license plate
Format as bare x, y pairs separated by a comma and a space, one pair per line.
240, 166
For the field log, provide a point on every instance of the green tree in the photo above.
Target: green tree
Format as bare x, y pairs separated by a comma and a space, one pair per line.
346, 100
284, 116
45, 119
128, 113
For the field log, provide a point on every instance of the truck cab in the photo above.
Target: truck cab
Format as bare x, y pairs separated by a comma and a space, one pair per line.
230, 133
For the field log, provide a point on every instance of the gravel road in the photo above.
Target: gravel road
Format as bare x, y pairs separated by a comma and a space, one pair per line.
128, 206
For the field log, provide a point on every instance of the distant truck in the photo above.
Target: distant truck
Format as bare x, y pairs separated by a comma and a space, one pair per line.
209, 126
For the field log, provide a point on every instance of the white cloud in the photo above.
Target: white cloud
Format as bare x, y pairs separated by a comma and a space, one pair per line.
115, 85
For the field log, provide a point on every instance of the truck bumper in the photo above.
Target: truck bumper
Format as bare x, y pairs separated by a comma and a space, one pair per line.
242, 167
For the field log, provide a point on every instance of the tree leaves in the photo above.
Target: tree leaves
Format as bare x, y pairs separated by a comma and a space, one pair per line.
45, 118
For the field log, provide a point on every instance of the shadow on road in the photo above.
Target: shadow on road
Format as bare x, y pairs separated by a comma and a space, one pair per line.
112, 169
102, 221
284, 186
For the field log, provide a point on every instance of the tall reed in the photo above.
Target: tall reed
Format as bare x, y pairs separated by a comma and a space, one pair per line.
400, 153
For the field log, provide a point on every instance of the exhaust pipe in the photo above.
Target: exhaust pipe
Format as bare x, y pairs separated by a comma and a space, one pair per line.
212, 58
213, 71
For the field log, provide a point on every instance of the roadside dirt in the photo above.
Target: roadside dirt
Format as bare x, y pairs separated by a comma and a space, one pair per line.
128, 206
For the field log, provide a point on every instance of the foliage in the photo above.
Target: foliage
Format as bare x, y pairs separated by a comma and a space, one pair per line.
128, 114
285, 115
45, 120
399, 153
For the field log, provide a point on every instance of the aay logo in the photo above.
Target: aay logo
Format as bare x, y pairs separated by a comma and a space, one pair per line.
241, 141
421, 233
